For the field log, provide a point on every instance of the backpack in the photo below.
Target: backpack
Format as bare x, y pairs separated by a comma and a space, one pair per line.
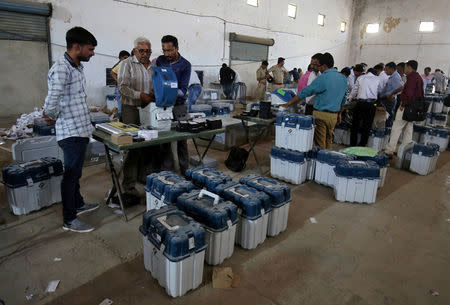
416, 111
237, 159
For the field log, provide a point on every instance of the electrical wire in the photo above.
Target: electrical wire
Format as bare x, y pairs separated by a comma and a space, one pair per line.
208, 16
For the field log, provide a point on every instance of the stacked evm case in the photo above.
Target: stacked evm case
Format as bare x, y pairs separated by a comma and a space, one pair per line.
253, 212
356, 181
163, 188
325, 164
294, 135
424, 158
174, 249
280, 200
219, 219
33, 185
185, 226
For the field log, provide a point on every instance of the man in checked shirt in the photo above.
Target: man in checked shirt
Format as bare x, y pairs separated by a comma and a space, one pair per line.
66, 108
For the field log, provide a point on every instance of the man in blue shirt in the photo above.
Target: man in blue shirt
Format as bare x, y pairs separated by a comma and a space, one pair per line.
394, 86
182, 69
330, 89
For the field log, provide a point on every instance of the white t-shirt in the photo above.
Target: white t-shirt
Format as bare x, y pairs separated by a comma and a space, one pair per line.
312, 76
366, 87
194, 78
383, 80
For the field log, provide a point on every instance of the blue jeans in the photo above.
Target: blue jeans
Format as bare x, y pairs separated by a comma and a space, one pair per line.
390, 108
74, 149
119, 104
235, 91
194, 92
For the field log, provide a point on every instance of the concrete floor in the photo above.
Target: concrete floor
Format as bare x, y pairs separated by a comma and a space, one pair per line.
391, 252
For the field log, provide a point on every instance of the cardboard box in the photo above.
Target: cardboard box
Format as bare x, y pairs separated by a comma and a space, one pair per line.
121, 139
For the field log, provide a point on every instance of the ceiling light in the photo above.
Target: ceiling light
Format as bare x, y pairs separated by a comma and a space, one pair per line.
373, 28
426, 26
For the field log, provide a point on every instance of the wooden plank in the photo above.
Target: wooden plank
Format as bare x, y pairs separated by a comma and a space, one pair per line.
163, 137
256, 120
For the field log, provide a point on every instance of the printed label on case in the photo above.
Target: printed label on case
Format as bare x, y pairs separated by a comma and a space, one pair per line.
173, 85
191, 243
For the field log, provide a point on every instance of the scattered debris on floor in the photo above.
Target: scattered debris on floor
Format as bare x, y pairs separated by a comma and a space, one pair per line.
313, 220
106, 302
29, 297
52, 285
57, 259
434, 292
224, 278
24, 125
114, 206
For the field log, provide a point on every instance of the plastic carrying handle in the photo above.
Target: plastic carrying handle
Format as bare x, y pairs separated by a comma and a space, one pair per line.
31, 163
167, 181
209, 194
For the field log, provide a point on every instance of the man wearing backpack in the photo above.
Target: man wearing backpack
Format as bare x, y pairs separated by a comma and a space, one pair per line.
412, 91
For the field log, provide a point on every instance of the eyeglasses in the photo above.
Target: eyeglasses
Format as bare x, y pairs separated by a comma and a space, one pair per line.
168, 51
142, 51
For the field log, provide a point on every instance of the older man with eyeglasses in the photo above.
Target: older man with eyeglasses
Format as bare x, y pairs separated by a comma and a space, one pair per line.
136, 90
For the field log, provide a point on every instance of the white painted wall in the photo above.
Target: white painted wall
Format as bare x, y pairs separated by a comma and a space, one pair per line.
202, 27
404, 41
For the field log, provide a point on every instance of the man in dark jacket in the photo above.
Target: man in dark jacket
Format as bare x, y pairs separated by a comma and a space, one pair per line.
227, 76
412, 91
182, 69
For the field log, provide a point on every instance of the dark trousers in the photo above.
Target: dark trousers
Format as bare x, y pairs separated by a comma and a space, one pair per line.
363, 115
137, 163
74, 149
179, 113
390, 108
228, 91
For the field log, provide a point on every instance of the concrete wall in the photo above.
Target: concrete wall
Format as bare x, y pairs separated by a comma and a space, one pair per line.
202, 27
23, 81
399, 38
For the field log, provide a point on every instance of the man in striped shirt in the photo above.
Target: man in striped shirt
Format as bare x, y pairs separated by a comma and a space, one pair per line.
66, 106
136, 90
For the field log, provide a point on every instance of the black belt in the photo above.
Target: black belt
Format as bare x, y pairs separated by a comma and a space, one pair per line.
370, 100
326, 111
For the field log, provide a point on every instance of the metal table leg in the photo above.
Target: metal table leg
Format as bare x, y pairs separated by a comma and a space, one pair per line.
252, 144
116, 183
202, 156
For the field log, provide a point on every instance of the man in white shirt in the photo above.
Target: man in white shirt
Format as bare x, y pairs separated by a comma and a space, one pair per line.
382, 75
365, 91
356, 72
440, 81
427, 78
314, 64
